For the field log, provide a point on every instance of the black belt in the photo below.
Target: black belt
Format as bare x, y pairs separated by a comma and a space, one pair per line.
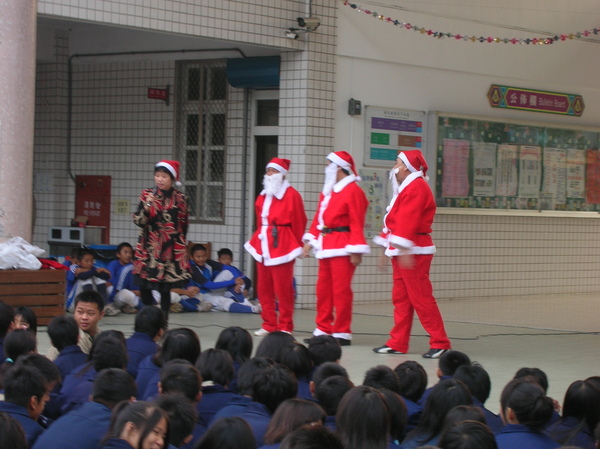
338, 229
275, 233
422, 233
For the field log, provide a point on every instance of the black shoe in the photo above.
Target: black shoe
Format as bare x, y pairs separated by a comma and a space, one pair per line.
385, 349
434, 353
343, 341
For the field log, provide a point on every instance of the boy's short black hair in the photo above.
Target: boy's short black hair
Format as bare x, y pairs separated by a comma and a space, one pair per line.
124, 245
21, 383
197, 247
330, 392
179, 376
537, 374
7, 316
328, 369
324, 348
113, 385
216, 365
63, 331
109, 352
276, 384
225, 252
83, 252
296, 357
250, 371
476, 379
451, 360
182, 417
382, 377
91, 297
149, 321
44, 365
413, 379
311, 437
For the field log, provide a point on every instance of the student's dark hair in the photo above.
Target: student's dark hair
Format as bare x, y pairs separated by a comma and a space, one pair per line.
237, 342
382, 376
27, 315
101, 358
215, 365
296, 357
228, 433
180, 343
311, 437
276, 384
7, 316
536, 374
451, 360
149, 321
528, 401
476, 379
182, 417
143, 415
326, 370
43, 364
109, 353
90, 297
63, 331
597, 435
363, 419
12, 435
17, 343
249, 372
197, 247
330, 392
225, 252
444, 396
463, 413
398, 414
21, 383
290, 415
582, 402
272, 343
413, 380
179, 376
164, 170
124, 245
113, 385
468, 435
324, 348
81, 252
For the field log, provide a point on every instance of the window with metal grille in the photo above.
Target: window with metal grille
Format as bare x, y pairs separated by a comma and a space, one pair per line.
201, 143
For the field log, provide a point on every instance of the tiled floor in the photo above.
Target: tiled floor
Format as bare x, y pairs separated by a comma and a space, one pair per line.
559, 334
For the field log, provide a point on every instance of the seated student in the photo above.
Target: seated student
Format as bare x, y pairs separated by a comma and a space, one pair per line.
324, 348
580, 416
211, 276
272, 343
447, 365
85, 427
150, 325
25, 395
228, 433
413, 381
398, 416
89, 310
276, 384
25, 319
182, 417
216, 368
311, 437
247, 376
238, 343
289, 416
86, 277
525, 409
19, 343
329, 393
468, 435
7, 323
296, 357
124, 295
11, 433
64, 334
538, 376
382, 377
225, 256
478, 382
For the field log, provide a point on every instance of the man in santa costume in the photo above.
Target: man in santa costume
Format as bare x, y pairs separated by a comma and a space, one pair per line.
336, 236
276, 243
406, 236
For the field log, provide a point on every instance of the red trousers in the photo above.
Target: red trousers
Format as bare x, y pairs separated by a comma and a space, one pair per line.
412, 292
276, 283
334, 291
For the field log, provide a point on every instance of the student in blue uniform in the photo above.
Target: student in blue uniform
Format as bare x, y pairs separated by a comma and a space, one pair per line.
413, 381
85, 277
525, 409
296, 357
225, 256
216, 368
182, 417
64, 334
150, 325
123, 293
289, 416
238, 343
329, 393
447, 365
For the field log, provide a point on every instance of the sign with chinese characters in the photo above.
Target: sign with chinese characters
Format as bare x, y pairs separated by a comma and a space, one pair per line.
535, 100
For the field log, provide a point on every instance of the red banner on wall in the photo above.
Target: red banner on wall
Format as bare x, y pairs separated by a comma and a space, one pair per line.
535, 100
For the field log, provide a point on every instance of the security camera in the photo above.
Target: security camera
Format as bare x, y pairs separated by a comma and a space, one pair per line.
310, 23
290, 33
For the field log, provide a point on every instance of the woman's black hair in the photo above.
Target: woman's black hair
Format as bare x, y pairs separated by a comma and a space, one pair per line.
528, 401
272, 343
11, 433
237, 342
162, 169
215, 365
398, 414
143, 415
290, 415
16, 344
582, 402
180, 343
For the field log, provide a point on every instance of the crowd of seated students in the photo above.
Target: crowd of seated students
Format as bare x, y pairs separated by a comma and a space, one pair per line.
158, 389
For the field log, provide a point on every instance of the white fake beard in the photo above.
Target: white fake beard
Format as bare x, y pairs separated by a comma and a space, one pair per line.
330, 178
395, 185
272, 183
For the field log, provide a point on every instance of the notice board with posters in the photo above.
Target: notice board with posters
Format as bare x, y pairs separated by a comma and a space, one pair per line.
498, 164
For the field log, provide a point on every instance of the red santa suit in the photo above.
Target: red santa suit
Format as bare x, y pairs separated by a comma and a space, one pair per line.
407, 230
336, 232
276, 243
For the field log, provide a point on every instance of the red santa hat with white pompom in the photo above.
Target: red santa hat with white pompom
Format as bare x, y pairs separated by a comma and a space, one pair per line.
345, 160
173, 167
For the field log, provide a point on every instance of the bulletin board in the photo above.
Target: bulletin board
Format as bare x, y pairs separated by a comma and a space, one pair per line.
492, 164
388, 131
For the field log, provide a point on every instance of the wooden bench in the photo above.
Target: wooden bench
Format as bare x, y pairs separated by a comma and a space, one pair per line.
41, 290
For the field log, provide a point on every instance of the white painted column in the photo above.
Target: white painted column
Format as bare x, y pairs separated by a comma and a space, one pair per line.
18, 22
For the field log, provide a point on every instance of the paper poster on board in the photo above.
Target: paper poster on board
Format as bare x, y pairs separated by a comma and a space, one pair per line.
555, 174
530, 171
484, 168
